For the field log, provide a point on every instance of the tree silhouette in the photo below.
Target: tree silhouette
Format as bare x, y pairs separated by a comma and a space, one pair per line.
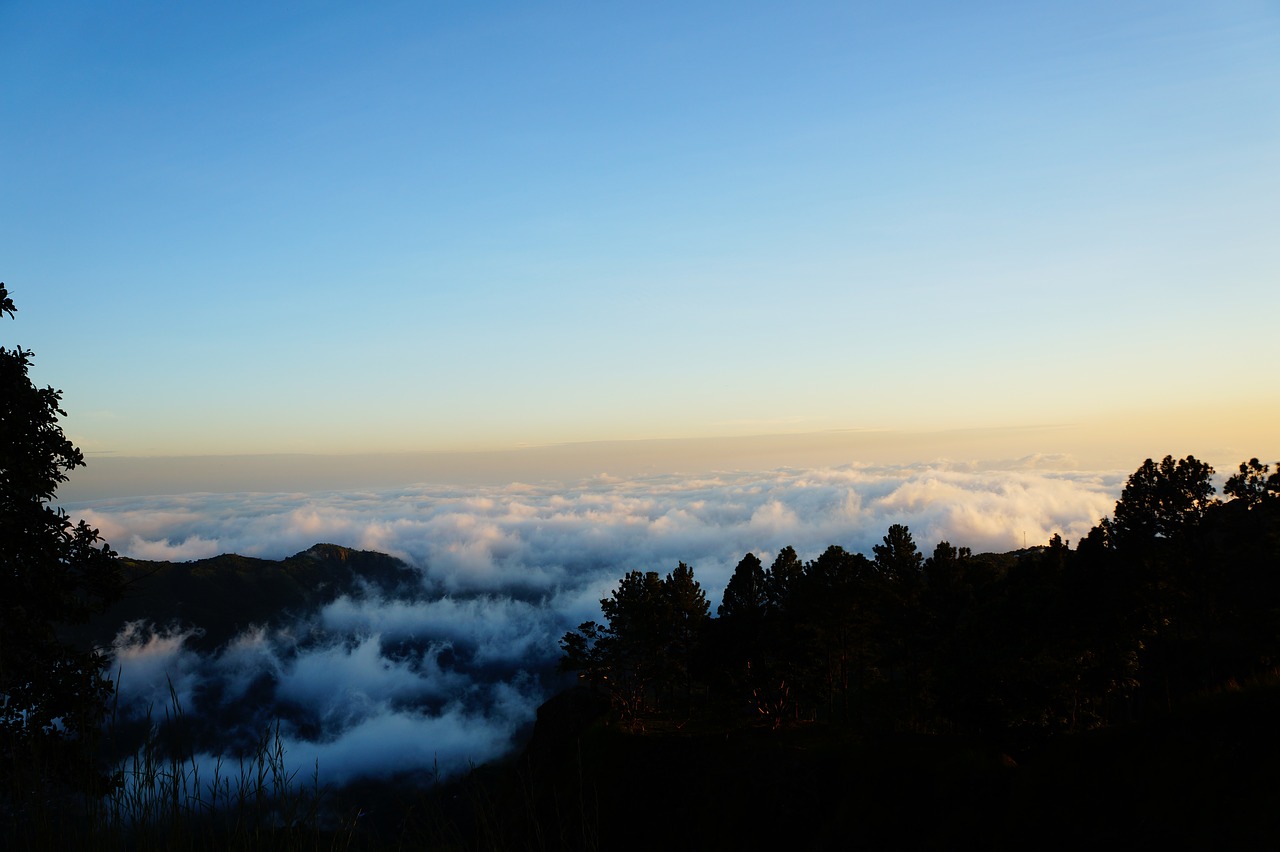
635, 645
688, 610
1176, 594
1164, 500
647, 646
1242, 539
1252, 484
744, 595
584, 652
782, 579
899, 570
898, 557
53, 573
834, 619
741, 646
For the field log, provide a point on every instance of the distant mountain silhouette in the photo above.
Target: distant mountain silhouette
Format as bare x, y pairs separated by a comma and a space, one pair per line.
226, 594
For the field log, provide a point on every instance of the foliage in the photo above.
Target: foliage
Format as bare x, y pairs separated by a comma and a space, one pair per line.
53, 573
744, 596
1173, 594
645, 652
1163, 500
898, 557
782, 580
1252, 485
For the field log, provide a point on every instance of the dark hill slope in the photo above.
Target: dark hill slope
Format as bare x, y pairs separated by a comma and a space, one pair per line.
226, 594
1201, 777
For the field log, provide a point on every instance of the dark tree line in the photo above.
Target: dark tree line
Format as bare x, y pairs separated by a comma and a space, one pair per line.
53, 573
1176, 594
645, 652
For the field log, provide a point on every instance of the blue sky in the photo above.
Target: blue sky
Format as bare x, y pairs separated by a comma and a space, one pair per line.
339, 228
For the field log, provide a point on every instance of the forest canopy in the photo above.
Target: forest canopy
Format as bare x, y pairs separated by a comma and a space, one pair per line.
1175, 594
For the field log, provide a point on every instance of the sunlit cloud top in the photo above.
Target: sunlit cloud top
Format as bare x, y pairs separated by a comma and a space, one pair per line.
540, 541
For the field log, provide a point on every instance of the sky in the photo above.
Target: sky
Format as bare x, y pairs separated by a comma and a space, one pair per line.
439, 228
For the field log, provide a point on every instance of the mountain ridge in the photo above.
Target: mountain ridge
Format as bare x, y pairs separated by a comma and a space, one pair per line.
224, 595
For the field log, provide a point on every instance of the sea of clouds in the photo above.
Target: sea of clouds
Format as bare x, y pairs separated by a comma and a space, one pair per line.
451, 672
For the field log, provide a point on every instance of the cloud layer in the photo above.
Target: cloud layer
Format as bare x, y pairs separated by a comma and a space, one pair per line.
449, 673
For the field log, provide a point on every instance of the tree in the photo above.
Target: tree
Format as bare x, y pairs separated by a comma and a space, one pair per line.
1252, 484
904, 622
1163, 565
52, 573
898, 558
830, 618
744, 595
944, 571
653, 627
634, 640
585, 653
782, 580
687, 600
1165, 500
688, 610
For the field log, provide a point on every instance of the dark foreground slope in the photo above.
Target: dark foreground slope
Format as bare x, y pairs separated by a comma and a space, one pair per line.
1199, 776
1202, 777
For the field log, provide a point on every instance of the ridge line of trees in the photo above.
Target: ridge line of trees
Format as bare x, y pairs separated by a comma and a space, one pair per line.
1176, 594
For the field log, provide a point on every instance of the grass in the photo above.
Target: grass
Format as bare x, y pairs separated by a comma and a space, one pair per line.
164, 797
1199, 777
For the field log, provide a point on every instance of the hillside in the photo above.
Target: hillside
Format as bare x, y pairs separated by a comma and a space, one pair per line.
227, 594
1197, 778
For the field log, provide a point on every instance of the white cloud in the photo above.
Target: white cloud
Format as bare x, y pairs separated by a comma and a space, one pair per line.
193, 547
399, 740
148, 664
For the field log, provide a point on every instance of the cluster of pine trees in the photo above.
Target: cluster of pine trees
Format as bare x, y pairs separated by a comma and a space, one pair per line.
1178, 593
